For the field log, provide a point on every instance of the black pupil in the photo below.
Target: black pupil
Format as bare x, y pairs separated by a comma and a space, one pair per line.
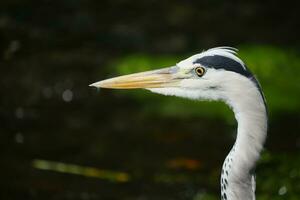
199, 71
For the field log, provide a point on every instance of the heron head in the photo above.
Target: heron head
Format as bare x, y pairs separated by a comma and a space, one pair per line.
215, 74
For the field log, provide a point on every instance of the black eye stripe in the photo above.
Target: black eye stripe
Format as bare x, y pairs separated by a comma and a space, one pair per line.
222, 62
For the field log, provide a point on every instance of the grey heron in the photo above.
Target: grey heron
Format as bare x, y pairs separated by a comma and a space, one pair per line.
215, 74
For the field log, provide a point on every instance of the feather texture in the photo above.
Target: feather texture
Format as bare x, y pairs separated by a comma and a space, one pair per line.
243, 94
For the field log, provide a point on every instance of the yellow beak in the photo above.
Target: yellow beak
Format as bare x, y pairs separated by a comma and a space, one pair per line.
166, 77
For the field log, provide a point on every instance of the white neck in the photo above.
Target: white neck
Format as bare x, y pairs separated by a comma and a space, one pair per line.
243, 96
237, 180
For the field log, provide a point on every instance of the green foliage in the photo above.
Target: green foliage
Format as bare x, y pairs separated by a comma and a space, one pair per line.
206, 196
285, 183
279, 73
277, 70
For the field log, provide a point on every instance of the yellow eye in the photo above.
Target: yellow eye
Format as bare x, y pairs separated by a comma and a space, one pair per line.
200, 71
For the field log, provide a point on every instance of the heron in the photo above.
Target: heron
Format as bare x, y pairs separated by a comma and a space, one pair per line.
216, 74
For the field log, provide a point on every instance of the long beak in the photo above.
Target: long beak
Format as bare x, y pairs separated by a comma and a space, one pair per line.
166, 77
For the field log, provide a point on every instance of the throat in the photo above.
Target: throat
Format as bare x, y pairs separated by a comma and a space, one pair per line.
237, 179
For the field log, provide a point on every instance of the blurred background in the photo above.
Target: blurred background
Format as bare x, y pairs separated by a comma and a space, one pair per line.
60, 139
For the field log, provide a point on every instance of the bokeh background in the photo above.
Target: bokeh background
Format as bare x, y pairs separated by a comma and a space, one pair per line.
60, 139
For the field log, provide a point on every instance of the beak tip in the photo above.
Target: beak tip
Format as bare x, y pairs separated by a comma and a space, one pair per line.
97, 85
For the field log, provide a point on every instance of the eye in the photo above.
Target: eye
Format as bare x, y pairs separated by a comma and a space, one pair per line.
200, 71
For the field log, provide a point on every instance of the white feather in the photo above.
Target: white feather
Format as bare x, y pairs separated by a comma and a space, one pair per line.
229, 52
243, 96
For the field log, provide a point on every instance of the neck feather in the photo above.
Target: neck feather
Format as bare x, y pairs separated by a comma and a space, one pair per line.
237, 180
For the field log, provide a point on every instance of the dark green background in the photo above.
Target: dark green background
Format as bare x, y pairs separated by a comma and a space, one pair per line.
54, 128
